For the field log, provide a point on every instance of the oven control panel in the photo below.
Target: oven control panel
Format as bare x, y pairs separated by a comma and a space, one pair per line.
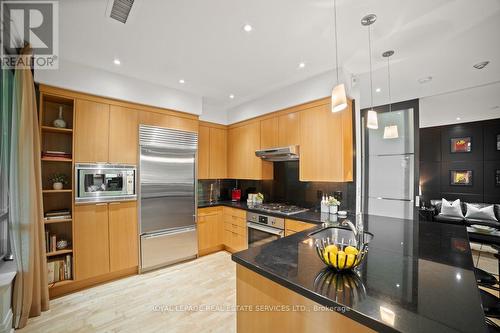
272, 221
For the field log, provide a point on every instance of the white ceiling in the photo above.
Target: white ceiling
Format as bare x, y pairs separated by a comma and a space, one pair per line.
203, 43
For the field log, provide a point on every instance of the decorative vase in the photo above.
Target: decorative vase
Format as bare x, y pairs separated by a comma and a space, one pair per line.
334, 209
60, 122
57, 186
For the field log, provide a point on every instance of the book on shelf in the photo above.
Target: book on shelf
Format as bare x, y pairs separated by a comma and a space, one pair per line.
59, 269
61, 214
56, 154
57, 212
50, 242
62, 217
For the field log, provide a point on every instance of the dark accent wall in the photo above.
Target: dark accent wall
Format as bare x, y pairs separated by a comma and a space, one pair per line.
436, 162
284, 188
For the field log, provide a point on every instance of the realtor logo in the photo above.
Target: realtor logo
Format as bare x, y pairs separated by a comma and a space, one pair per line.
33, 22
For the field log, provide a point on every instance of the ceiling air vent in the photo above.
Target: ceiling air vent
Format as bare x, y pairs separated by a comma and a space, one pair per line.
121, 10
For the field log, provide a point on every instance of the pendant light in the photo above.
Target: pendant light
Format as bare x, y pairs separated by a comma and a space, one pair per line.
372, 118
339, 99
390, 131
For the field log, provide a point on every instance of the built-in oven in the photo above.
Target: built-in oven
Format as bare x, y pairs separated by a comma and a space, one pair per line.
102, 182
263, 229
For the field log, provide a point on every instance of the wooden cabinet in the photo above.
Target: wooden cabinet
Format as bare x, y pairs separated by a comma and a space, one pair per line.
218, 153
123, 135
91, 131
326, 151
235, 229
91, 240
210, 231
269, 133
203, 152
288, 129
123, 235
243, 141
106, 238
292, 226
168, 121
212, 152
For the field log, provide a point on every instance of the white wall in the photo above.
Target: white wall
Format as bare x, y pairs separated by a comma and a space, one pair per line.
474, 104
98, 82
316, 87
212, 112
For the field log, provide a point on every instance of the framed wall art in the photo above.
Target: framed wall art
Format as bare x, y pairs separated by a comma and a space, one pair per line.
498, 141
461, 145
461, 177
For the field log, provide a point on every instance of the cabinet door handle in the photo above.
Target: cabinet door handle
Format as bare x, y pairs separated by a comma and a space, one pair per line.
115, 203
101, 204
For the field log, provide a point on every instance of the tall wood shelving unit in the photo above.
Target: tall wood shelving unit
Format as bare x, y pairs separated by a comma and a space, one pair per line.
58, 139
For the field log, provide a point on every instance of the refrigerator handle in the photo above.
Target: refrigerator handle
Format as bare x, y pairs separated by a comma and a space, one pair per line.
170, 232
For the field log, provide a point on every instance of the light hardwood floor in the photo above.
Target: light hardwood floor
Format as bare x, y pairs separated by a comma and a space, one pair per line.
134, 304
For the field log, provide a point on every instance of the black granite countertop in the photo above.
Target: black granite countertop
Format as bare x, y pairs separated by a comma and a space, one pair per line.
417, 276
311, 216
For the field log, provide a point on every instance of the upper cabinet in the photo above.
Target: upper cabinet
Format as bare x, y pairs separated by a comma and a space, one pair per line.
203, 152
91, 131
168, 121
288, 129
123, 135
105, 133
218, 153
269, 133
212, 151
243, 141
326, 145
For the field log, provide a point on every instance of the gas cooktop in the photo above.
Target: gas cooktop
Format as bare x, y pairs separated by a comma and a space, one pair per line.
280, 208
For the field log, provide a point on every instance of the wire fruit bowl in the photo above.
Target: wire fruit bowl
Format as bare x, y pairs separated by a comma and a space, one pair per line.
340, 248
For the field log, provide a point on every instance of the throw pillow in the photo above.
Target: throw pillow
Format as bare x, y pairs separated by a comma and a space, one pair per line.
485, 213
451, 209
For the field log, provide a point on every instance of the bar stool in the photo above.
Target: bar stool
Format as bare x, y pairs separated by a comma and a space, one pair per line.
491, 304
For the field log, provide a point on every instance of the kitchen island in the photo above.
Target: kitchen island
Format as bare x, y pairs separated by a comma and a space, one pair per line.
416, 277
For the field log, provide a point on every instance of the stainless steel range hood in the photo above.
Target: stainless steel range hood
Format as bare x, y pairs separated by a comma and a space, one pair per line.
281, 154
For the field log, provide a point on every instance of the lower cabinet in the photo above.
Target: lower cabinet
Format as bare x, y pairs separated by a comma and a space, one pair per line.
123, 244
235, 229
292, 226
91, 240
210, 237
105, 238
221, 227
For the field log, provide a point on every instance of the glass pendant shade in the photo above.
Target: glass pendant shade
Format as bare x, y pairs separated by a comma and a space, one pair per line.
372, 120
391, 132
339, 99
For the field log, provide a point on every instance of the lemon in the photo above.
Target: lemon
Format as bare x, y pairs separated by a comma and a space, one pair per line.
330, 252
351, 258
351, 250
341, 259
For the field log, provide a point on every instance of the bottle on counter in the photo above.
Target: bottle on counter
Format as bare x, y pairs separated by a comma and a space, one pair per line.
324, 204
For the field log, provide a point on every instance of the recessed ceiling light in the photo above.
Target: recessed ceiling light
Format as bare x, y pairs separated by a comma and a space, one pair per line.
117, 61
231, 96
481, 65
181, 81
425, 79
302, 65
247, 28
458, 118
378, 90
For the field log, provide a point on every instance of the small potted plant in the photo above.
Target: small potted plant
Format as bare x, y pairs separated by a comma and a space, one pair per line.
58, 181
334, 205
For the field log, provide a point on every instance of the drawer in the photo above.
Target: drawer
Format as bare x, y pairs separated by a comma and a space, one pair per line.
209, 211
235, 212
235, 220
297, 226
234, 228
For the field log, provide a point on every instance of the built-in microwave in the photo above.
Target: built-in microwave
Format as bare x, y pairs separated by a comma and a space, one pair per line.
105, 182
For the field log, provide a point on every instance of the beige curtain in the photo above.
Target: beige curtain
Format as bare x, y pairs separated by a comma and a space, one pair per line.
30, 295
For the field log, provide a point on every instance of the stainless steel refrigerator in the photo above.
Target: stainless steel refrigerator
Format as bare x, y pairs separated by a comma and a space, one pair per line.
167, 176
